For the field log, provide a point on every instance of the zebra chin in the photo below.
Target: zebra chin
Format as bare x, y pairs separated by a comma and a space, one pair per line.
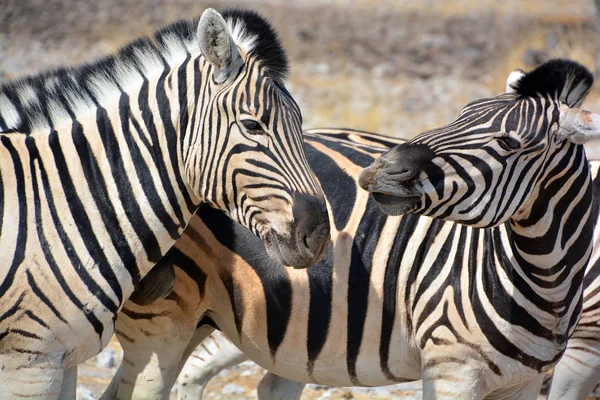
393, 178
395, 205
393, 197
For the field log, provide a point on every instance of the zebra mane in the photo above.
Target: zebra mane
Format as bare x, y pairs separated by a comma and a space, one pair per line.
249, 27
35, 101
565, 80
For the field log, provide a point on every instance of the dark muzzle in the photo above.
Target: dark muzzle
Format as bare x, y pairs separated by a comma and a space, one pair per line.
392, 178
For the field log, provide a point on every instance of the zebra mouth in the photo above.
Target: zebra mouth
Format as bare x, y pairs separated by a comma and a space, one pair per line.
288, 253
395, 205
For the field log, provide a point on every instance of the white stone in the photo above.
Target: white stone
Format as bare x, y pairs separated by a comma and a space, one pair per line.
84, 393
232, 389
106, 358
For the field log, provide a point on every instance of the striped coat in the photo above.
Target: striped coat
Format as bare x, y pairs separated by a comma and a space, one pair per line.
103, 165
576, 373
461, 307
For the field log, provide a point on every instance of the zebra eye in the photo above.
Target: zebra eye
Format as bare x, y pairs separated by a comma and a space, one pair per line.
252, 126
508, 143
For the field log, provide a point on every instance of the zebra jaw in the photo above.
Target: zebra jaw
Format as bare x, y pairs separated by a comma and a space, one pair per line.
394, 205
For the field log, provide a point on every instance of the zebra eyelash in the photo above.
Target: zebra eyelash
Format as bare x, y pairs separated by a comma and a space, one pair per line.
253, 127
508, 143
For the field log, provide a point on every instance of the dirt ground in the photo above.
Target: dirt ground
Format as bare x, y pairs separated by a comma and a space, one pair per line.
392, 66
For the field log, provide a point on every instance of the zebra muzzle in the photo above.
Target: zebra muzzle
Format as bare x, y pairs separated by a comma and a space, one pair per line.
393, 178
310, 234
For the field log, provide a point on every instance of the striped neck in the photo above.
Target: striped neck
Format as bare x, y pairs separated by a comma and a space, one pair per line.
110, 145
552, 243
556, 219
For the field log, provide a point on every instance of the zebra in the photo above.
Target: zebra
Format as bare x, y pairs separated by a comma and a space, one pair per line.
578, 371
570, 379
103, 165
402, 270
513, 164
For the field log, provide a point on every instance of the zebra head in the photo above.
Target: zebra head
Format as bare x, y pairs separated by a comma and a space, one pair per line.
497, 157
246, 155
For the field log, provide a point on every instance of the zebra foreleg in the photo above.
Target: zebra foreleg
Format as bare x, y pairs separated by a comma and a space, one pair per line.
152, 352
146, 374
69, 384
577, 372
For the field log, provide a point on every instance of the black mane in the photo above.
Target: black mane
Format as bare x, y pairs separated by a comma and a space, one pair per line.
566, 80
268, 48
73, 85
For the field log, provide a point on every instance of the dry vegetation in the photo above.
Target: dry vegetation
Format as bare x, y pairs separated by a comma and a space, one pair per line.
391, 66
396, 67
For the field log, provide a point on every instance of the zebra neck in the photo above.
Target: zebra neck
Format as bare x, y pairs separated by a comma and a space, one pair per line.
109, 167
551, 244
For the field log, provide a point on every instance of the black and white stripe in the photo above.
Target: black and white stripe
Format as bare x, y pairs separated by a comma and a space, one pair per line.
102, 166
578, 371
511, 164
475, 311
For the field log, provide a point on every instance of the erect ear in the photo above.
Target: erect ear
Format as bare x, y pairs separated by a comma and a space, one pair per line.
577, 125
217, 45
513, 78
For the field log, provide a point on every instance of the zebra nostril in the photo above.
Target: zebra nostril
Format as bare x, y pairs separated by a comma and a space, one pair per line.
365, 179
402, 172
311, 227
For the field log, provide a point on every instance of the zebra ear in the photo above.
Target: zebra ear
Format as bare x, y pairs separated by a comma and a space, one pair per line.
217, 45
577, 125
512, 79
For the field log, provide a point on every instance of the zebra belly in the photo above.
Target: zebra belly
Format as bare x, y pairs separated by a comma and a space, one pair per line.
331, 367
295, 339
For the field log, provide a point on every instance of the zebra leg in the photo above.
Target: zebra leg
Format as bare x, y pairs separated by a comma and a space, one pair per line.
577, 372
149, 371
152, 351
451, 378
21, 378
69, 384
214, 354
275, 387
526, 391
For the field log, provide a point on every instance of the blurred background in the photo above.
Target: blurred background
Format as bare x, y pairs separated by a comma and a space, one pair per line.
390, 66
395, 67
